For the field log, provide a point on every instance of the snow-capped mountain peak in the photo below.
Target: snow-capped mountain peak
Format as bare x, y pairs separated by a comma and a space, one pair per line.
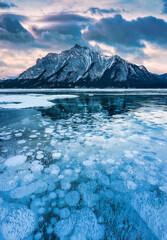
84, 67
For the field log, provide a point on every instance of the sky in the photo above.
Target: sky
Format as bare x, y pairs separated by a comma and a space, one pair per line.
136, 30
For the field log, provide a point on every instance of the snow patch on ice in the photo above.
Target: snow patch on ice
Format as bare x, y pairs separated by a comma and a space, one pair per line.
18, 101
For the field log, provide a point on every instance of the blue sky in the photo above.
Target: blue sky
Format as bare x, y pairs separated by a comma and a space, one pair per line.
134, 29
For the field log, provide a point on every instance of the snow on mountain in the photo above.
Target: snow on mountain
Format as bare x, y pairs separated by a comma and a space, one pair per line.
83, 67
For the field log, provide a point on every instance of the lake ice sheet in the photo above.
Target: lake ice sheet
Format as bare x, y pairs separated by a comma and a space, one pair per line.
92, 167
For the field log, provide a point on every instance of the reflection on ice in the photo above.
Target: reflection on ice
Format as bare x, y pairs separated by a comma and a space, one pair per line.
92, 167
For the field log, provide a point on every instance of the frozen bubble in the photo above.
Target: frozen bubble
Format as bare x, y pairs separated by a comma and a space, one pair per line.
40, 156
18, 134
131, 185
53, 220
49, 230
152, 180
139, 162
128, 154
77, 170
52, 195
41, 219
37, 168
92, 174
53, 142
109, 194
111, 161
53, 204
163, 188
54, 169
100, 219
5, 138
38, 236
118, 185
25, 148
72, 198
88, 163
87, 225
36, 162
60, 193
92, 186
49, 130
24, 191
34, 131
7, 181
37, 202
87, 190
44, 199
70, 175
39, 152
130, 169
78, 236
82, 188
64, 227
15, 161
68, 171
51, 187
90, 199
28, 178
56, 156
60, 176
21, 141
64, 213
18, 224
65, 184
29, 154
104, 180
41, 210
33, 136
4, 150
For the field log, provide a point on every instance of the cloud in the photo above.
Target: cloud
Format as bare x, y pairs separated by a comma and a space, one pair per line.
17, 17
117, 31
164, 6
66, 17
2, 64
5, 5
101, 11
61, 35
12, 31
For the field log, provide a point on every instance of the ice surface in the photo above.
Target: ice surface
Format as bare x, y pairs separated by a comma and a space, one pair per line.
88, 168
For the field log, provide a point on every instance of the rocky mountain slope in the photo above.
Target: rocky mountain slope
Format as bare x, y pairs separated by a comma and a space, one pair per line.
82, 67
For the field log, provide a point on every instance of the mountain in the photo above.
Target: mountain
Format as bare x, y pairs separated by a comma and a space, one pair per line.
83, 67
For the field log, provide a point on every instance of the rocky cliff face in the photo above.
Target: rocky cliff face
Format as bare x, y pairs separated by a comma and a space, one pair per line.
82, 67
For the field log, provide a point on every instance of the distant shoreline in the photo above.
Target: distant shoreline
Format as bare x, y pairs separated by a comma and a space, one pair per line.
6, 90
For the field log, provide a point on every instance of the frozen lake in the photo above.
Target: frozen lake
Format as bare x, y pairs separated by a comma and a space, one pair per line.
83, 164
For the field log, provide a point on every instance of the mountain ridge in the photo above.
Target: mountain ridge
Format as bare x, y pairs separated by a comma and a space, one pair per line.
83, 67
